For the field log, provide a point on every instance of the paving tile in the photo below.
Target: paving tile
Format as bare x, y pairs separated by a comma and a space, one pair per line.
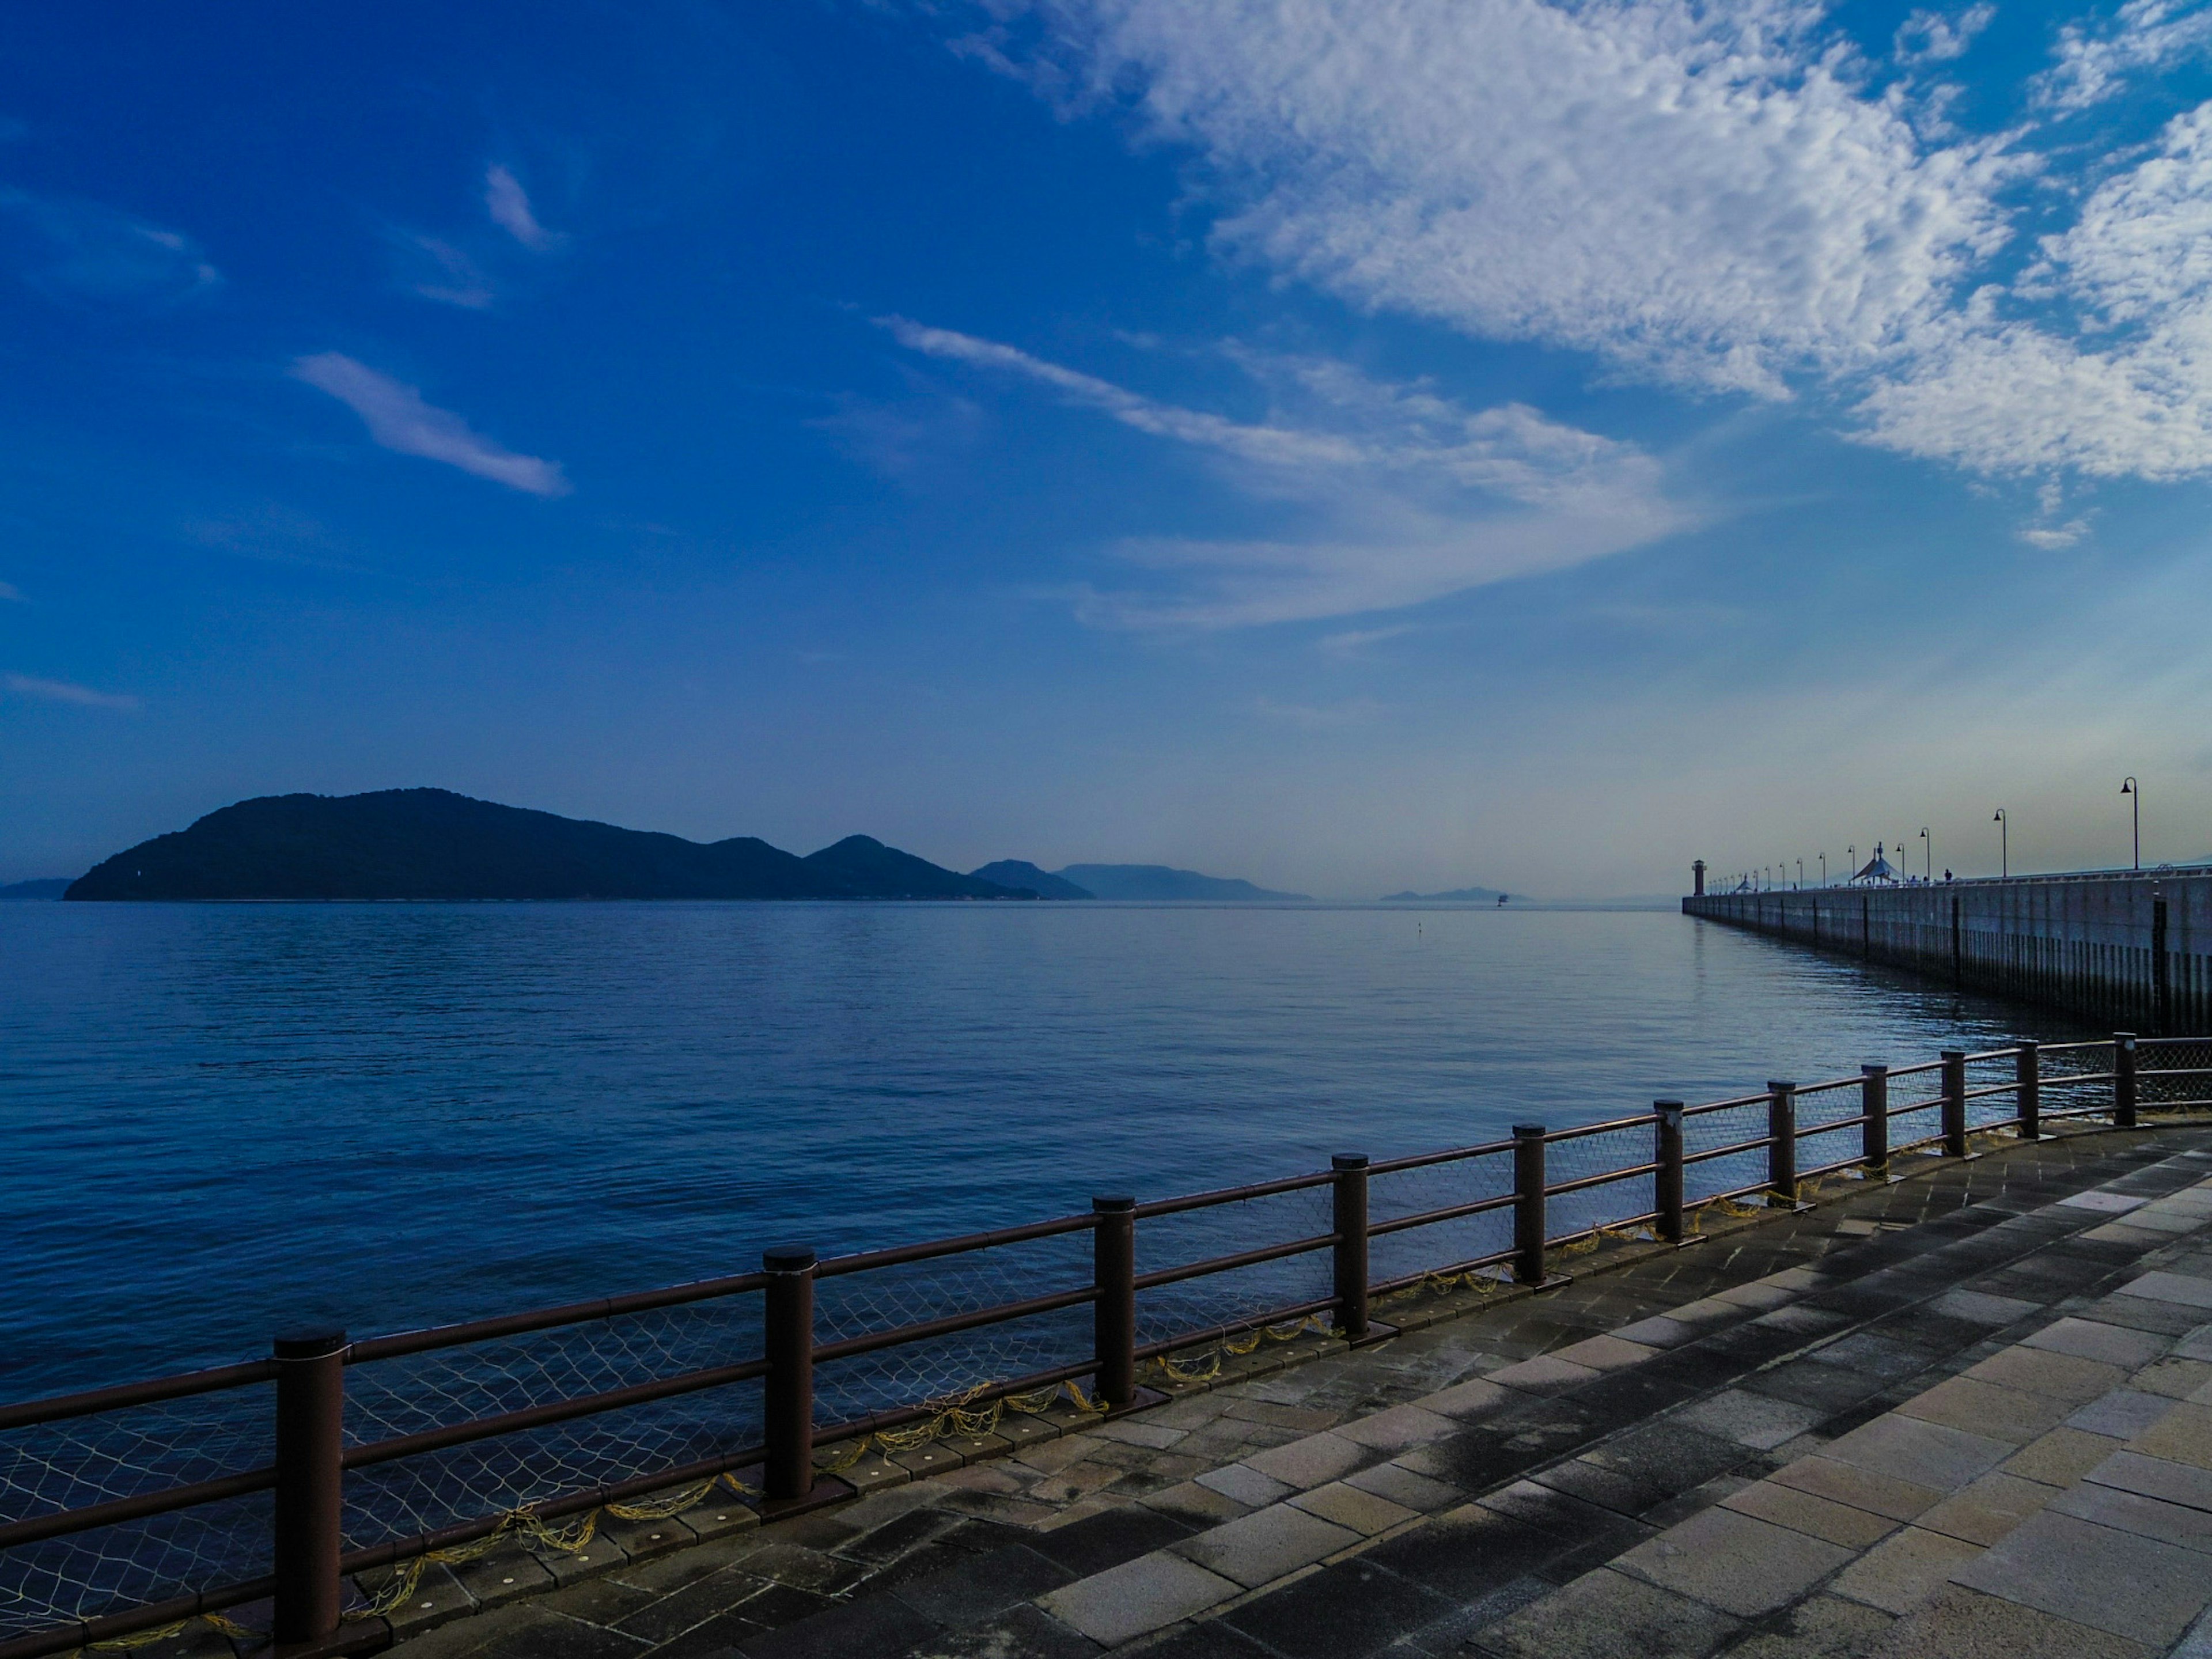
1544, 1375
1757, 1294
1263, 1546
1347, 1609
2196, 1344
2177, 1379
1903, 1570
881, 1623
2088, 1338
1147, 1593
1821, 1627
1604, 1353
1963, 1624
1755, 1420
1735, 1562
2060, 1375
1986, 1510
1201, 1505
2060, 1457
1365, 1512
2102, 1202
1466, 1552
1659, 1332
1310, 1461
1020, 1632
2183, 1435
1983, 1309
1979, 1407
1394, 1430
2124, 1414
1245, 1484
1925, 1454
2155, 1477
1816, 1517
1609, 1616
1887, 1495
1590, 1535
2150, 1517
1476, 1397
2177, 1288
2113, 1581
1104, 1540
1404, 1487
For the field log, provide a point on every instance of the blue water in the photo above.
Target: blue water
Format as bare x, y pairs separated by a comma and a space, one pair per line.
218, 1121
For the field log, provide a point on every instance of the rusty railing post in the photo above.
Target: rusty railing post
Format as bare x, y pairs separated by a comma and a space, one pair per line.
2124, 1080
1350, 1219
789, 1347
1528, 1203
308, 1513
1113, 1315
1873, 1107
1667, 1180
1782, 1141
1955, 1103
2027, 1090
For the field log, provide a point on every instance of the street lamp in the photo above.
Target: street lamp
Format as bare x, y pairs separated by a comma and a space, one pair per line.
1852, 858
1824, 869
1801, 872
1931, 850
2004, 843
2134, 791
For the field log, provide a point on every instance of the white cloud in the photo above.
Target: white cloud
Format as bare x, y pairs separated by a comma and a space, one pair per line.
398, 419
10, 591
2096, 62
29, 685
1724, 195
79, 250
437, 270
1410, 496
1930, 37
509, 206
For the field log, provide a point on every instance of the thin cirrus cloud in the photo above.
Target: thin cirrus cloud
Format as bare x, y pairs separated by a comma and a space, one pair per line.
1410, 496
398, 419
73, 250
83, 696
432, 268
1756, 209
509, 203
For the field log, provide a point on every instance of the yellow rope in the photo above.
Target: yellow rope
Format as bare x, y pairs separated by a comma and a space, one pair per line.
146, 1638
955, 1414
1205, 1366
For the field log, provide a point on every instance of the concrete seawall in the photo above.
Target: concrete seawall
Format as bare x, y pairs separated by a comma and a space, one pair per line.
2129, 949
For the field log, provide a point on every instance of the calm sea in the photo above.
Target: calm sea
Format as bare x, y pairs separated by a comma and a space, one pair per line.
216, 1121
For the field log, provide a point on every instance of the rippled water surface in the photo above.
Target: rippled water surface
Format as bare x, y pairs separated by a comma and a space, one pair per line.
220, 1119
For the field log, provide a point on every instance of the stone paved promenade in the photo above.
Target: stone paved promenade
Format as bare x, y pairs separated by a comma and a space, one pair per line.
1967, 1413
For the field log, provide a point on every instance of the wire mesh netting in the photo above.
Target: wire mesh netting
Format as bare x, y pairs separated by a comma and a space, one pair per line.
944, 1368
1187, 1236
2165, 1065
411, 1393
1441, 1245
84, 1461
2074, 1079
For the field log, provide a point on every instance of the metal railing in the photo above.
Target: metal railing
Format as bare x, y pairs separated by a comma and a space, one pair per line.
1555, 1189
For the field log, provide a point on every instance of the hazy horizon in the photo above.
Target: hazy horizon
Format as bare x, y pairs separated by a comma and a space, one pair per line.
1350, 444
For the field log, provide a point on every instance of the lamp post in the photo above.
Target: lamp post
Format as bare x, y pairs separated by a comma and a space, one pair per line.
2133, 790
1852, 858
1930, 848
1824, 869
1801, 872
2004, 843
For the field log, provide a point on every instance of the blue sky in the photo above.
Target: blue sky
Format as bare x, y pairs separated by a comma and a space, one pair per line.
1353, 444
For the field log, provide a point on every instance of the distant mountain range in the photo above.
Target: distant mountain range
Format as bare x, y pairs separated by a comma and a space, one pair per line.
15, 891
431, 844
1457, 896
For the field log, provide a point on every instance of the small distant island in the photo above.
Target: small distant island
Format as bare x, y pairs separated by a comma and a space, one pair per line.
1457, 896
16, 892
434, 845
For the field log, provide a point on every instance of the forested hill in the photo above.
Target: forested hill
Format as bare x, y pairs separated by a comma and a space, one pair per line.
434, 844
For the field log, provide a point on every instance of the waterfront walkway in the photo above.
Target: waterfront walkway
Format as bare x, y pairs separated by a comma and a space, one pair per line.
1966, 1413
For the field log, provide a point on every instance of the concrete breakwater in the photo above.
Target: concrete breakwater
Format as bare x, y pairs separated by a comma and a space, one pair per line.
2131, 948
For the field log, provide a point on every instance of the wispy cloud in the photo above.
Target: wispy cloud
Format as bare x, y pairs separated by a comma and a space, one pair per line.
509, 203
1328, 717
1410, 496
398, 419
78, 251
435, 268
1726, 196
10, 591
29, 685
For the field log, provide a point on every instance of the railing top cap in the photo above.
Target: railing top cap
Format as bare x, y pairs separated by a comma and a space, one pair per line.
1117, 1201
1524, 1131
1348, 1161
789, 1258
309, 1342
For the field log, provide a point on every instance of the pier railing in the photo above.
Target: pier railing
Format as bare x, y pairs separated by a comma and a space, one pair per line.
293, 1480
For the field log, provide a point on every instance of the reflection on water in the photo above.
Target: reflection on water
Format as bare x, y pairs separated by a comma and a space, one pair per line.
223, 1118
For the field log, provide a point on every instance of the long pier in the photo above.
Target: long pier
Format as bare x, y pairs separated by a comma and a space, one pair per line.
2125, 947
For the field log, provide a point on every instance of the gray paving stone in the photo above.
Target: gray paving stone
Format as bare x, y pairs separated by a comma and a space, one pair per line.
2155, 1477
1982, 1308
1310, 1461
1755, 1420
1604, 1353
1394, 1430
2128, 1511
1266, 1545
1608, 1615
1735, 1562
1822, 1627
1660, 1332
1402, 1486
2124, 1414
1902, 1571
2176, 1288
2059, 1375
2183, 1435
1246, 1485
1816, 1517
2088, 1339
1365, 1512
1986, 1511
1924, 1454
1985, 1409
1866, 1489
1544, 1375
2113, 1581
1148, 1594
1477, 1397
1963, 1624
